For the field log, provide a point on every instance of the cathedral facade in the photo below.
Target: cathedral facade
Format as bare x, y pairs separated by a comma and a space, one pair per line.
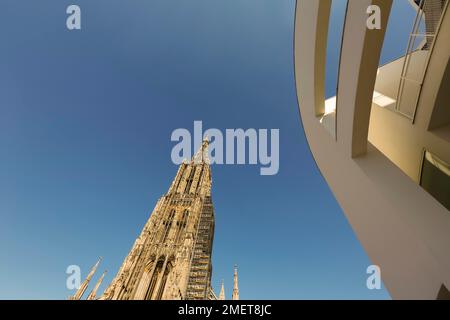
171, 258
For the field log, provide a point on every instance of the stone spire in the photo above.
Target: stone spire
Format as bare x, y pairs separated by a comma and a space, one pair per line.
235, 288
175, 244
222, 292
93, 293
201, 156
84, 285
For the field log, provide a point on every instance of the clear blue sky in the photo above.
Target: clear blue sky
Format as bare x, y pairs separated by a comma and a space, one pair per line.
85, 124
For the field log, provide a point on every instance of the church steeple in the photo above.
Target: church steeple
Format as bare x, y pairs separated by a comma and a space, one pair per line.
222, 292
171, 258
93, 293
235, 288
84, 285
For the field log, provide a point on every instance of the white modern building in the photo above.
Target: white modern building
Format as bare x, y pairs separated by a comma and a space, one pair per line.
383, 143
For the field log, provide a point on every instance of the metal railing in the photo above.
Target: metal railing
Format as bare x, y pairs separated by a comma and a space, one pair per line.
421, 41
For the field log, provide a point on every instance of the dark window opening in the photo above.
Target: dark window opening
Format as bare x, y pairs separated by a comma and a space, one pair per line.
435, 178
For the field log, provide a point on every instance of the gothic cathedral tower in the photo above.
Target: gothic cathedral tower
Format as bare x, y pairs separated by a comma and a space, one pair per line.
171, 258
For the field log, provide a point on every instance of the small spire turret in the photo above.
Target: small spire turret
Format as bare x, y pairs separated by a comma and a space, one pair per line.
235, 288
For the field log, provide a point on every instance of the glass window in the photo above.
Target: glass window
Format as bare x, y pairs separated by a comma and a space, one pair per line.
435, 178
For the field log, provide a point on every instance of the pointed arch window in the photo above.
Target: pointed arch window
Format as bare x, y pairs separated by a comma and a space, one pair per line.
181, 225
154, 279
167, 226
162, 286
